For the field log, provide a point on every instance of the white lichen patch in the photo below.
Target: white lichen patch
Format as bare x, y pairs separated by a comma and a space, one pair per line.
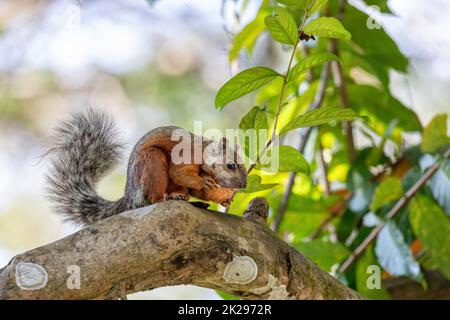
241, 270
30, 276
271, 283
275, 292
279, 293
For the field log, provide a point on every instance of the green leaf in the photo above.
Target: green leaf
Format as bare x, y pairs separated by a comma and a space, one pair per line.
432, 228
253, 140
319, 116
389, 190
254, 119
246, 38
289, 160
304, 215
435, 134
327, 27
310, 62
254, 185
282, 26
394, 254
243, 83
324, 254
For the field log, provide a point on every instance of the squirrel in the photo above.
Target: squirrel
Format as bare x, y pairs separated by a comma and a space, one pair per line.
86, 147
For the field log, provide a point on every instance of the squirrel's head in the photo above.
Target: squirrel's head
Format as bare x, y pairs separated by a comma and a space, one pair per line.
222, 161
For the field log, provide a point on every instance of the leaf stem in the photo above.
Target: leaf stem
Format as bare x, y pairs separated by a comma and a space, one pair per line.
280, 102
283, 89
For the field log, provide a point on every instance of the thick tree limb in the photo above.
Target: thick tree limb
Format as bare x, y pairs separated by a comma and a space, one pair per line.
406, 289
169, 244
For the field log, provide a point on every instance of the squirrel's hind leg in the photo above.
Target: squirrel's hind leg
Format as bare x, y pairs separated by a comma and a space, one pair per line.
176, 192
155, 177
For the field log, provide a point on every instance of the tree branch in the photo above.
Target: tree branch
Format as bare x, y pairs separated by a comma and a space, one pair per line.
170, 243
402, 288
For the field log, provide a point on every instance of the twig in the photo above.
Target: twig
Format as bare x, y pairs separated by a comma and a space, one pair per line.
339, 80
278, 112
324, 168
283, 88
310, 73
318, 100
391, 214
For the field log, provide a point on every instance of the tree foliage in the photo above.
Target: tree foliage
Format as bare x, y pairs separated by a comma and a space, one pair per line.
337, 201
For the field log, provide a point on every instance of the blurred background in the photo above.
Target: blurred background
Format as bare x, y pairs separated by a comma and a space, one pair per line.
151, 63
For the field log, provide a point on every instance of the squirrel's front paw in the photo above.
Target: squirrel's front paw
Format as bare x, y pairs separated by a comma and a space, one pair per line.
209, 183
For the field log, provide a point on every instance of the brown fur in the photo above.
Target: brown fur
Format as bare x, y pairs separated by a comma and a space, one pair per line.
156, 172
163, 179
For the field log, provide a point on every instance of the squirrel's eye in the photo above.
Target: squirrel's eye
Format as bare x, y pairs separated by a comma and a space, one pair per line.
231, 166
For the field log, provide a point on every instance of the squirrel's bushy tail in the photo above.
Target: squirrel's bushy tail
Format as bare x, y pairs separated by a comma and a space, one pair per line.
83, 149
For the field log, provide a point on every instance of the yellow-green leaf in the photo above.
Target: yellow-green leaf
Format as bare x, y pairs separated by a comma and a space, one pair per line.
319, 116
254, 119
317, 5
254, 140
282, 26
247, 37
435, 134
327, 27
285, 159
254, 185
387, 191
